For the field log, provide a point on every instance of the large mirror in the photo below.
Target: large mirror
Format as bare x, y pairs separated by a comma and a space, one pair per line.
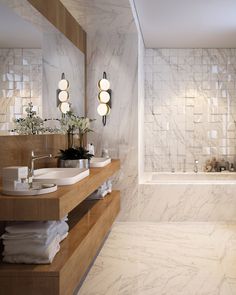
33, 56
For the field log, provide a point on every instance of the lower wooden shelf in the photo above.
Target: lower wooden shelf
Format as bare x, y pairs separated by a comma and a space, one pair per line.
89, 224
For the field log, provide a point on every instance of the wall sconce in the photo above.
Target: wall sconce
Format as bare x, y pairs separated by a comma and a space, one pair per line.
104, 97
63, 95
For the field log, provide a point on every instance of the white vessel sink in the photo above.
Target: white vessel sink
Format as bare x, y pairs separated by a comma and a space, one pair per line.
37, 189
99, 162
60, 176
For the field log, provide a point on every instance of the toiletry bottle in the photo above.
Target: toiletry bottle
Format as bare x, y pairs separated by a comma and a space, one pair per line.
105, 153
91, 149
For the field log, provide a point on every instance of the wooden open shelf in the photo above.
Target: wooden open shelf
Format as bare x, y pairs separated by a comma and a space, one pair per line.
89, 224
55, 206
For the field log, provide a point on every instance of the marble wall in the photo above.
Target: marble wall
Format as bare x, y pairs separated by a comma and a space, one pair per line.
117, 54
190, 107
20, 83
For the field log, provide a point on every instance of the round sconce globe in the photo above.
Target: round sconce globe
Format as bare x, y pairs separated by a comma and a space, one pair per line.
63, 96
104, 84
64, 107
103, 109
104, 96
63, 84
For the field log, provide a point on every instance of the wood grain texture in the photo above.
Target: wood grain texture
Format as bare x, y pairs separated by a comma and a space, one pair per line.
55, 206
89, 224
56, 13
16, 150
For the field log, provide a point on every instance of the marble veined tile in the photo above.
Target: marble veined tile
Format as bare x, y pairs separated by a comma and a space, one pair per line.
106, 15
165, 258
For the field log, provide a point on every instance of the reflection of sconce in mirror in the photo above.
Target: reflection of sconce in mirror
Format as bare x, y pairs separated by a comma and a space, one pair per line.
104, 97
63, 95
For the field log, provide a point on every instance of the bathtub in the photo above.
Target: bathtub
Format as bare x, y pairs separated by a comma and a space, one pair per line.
188, 197
192, 178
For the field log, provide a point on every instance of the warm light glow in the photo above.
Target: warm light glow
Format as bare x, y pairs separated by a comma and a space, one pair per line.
103, 109
63, 84
104, 96
104, 84
64, 107
63, 96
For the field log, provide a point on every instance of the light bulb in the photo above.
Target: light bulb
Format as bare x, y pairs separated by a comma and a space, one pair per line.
63, 84
104, 96
104, 84
103, 109
64, 107
63, 96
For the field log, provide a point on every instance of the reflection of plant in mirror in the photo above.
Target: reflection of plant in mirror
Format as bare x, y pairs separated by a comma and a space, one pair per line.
70, 123
31, 124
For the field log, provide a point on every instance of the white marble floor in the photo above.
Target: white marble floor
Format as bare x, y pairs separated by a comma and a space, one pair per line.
165, 259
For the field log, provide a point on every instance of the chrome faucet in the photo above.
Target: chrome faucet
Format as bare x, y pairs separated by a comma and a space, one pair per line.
33, 159
195, 169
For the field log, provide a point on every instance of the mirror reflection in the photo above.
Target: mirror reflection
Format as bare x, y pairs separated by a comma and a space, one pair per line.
31, 66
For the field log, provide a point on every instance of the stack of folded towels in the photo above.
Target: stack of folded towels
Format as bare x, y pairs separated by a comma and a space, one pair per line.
33, 242
102, 191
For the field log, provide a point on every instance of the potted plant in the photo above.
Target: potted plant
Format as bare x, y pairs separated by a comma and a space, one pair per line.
75, 157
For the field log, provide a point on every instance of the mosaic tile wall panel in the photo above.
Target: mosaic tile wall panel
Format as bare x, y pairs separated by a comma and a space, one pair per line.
190, 107
20, 83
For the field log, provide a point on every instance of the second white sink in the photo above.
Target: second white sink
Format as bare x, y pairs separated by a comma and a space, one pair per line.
99, 162
60, 176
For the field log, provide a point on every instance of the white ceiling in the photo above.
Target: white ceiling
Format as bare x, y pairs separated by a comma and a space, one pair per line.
16, 32
187, 23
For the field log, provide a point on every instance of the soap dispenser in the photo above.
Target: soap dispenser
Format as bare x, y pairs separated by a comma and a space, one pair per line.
91, 148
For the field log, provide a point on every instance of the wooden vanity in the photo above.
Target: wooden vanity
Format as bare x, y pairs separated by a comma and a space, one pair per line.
89, 221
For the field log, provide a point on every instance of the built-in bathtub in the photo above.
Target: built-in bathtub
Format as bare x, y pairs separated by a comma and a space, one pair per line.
188, 197
194, 178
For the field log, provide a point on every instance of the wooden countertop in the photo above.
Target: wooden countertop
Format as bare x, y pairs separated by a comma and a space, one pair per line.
55, 206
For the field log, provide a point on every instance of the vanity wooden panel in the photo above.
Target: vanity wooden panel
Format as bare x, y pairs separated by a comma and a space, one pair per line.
55, 206
89, 224
60, 17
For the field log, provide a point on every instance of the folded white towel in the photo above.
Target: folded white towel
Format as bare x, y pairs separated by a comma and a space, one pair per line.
27, 259
32, 227
102, 191
29, 240
33, 250
36, 228
62, 227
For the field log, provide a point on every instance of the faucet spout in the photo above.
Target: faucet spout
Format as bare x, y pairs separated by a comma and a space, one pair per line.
34, 158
